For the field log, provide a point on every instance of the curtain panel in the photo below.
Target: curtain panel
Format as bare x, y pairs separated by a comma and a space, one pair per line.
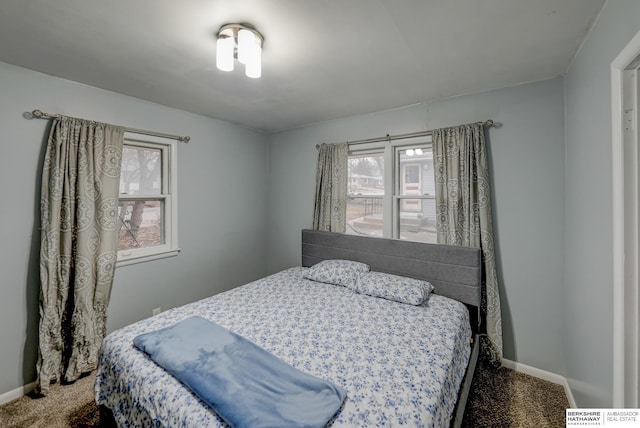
78, 253
330, 208
463, 201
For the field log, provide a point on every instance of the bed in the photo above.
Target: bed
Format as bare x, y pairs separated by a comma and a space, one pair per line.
399, 363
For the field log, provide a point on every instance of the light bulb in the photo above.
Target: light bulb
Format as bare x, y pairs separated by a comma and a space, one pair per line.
418, 151
224, 53
410, 152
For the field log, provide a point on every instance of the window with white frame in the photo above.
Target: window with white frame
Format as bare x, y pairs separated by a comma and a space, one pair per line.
391, 191
147, 209
365, 193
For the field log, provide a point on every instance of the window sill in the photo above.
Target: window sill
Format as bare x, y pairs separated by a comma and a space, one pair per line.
147, 258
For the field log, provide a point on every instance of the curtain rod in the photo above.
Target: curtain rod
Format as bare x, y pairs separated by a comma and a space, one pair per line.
42, 115
403, 136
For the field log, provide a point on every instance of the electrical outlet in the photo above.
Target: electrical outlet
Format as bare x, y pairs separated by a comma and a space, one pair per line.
156, 311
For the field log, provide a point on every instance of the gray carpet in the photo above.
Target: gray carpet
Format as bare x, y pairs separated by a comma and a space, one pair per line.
66, 406
499, 398
505, 398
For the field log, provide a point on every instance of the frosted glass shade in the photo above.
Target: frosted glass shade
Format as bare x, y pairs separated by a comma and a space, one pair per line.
224, 53
246, 42
253, 67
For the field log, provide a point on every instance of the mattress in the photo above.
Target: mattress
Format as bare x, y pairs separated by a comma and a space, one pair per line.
400, 364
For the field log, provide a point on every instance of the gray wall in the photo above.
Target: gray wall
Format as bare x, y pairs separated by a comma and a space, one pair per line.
553, 238
589, 265
527, 161
222, 209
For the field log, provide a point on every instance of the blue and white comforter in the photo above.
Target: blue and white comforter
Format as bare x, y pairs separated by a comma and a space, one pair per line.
400, 364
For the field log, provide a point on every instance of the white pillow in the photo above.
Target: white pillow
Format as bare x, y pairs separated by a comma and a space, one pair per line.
338, 272
393, 287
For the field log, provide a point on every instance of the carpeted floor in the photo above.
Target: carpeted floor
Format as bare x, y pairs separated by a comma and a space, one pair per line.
66, 406
505, 398
499, 398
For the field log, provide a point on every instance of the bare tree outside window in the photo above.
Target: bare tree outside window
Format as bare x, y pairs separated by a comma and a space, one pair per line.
140, 214
147, 205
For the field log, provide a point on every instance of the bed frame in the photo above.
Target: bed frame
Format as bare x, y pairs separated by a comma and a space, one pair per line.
455, 272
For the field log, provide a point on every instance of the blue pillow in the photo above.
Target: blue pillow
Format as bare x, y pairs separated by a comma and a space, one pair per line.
393, 287
338, 272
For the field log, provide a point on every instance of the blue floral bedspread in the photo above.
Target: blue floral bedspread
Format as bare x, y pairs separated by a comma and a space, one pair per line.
400, 364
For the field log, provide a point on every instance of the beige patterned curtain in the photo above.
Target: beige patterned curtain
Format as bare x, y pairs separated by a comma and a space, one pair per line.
463, 201
79, 214
330, 209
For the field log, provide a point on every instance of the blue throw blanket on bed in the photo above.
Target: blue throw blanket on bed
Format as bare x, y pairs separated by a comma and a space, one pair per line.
245, 385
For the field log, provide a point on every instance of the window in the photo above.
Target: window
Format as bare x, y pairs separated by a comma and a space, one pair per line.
391, 191
415, 208
365, 192
147, 206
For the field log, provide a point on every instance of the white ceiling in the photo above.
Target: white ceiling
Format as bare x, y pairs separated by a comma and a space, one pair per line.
322, 59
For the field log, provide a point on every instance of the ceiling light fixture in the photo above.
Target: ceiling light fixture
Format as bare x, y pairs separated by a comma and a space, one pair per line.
241, 42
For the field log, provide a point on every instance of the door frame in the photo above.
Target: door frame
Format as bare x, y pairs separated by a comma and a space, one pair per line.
625, 239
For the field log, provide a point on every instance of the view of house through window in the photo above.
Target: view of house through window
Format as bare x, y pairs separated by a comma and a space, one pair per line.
416, 194
365, 191
408, 192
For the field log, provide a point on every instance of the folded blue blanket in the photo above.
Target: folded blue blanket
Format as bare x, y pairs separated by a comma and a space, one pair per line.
244, 384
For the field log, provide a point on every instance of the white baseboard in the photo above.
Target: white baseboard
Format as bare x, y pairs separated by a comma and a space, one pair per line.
544, 375
16, 393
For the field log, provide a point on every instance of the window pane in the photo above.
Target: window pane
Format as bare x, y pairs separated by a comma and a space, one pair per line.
416, 172
366, 174
141, 171
418, 220
364, 216
415, 177
412, 174
365, 190
140, 224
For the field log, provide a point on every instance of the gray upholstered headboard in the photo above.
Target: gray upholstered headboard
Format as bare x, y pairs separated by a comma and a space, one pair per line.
455, 272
